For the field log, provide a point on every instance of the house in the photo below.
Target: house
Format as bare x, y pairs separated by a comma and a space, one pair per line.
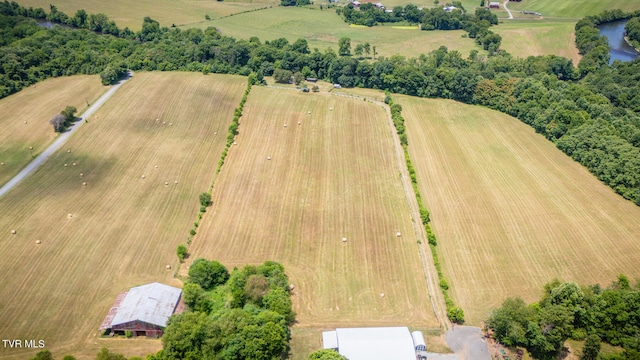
337, 86
310, 79
494, 5
449, 8
143, 310
374, 343
356, 4
379, 6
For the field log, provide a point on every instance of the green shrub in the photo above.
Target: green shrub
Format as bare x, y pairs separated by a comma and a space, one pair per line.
128, 333
181, 251
192, 232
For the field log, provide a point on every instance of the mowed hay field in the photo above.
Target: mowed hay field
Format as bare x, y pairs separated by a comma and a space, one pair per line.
512, 212
573, 9
333, 176
167, 12
36, 105
523, 38
120, 230
324, 28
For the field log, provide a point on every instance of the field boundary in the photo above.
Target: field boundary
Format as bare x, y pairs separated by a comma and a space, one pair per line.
231, 134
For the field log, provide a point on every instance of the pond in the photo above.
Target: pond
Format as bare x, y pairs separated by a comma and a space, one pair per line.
620, 49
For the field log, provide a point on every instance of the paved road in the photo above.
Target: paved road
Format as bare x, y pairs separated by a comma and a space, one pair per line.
506, 8
60, 140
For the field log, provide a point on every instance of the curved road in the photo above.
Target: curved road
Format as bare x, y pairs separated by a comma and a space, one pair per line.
506, 8
60, 140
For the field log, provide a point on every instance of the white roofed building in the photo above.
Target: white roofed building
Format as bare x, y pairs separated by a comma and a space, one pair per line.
374, 343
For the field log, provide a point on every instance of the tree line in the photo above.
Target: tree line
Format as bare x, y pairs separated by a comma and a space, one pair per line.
589, 112
569, 311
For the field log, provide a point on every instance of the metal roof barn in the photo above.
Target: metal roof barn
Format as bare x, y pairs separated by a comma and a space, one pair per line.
376, 343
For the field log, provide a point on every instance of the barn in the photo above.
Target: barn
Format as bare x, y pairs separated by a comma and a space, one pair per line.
374, 343
494, 5
143, 310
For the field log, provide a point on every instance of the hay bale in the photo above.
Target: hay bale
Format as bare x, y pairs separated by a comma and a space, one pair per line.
143, 176
164, 123
382, 295
13, 232
84, 184
1, 164
291, 287
235, 143
156, 166
170, 124
299, 122
68, 151
398, 234
166, 183
168, 267
69, 215
215, 133
344, 239
38, 242
65, 165
330, 109
285, 125
309, 112
176, 182
268, 157
74, 164
81, 174
25, 122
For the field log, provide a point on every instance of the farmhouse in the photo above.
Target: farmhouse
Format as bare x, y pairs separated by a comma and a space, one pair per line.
376, 343
143, 310
494, 5
356, 4
449, 8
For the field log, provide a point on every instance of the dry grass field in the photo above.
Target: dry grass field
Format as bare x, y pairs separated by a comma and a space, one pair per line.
335, 175
511, 211
120, 230
167, 12
36, 105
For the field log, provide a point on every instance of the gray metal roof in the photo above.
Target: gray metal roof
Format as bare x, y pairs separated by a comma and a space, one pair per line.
152, 303
375, 343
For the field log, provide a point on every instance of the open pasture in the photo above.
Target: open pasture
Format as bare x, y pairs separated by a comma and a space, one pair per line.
523, 38
573, 9
512, 212
167, 12
291, 194
323, 28
24, 117
120, 229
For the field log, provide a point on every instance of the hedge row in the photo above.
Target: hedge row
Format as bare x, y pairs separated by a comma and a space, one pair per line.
454, 313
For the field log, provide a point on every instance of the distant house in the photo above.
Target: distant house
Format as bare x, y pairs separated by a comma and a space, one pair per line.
337, 86
389, 11
379, 6
310, 79
449, 8
143, 310
356, 4
494, 5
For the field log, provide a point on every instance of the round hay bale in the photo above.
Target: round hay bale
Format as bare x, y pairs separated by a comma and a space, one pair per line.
74, 164
38, 242
398, 234
168, 267
330, 109
309, 112
68, 151
156, 166
84, 184
65, 165
13, 232
157, 119
291, 287
166, 183
164, 123
81, 174
170, 124
25, 122
268, 157
69, 215
344, 239
176, 182
1, 164
143, 176
299, 123
235, 143
382, 295
215, 133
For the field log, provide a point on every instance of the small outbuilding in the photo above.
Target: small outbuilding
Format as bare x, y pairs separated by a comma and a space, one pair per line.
375, 343
143, 310
494, 5
419, 344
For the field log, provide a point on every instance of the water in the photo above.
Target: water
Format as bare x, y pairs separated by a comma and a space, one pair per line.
620, 49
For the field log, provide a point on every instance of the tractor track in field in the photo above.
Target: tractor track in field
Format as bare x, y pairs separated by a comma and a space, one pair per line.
435, 297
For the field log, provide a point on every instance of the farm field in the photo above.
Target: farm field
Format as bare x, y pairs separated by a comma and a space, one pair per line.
323, 29
167, 12
335, 175
573, 9
523, 38
37, 105
120, 230
512, 212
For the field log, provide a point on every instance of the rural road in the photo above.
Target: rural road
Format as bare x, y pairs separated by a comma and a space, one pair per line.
506, 8
60, 140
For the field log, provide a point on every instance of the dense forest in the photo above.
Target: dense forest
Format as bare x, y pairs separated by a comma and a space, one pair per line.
591, 112
566, 310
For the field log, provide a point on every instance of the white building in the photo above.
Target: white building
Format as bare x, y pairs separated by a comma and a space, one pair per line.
375, 343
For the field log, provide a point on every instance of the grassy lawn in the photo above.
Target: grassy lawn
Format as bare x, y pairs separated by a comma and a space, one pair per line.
24, 117
573, 9
120, 229
323, 29
511, 211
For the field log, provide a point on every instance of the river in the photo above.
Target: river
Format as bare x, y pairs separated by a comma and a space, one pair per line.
620, 49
